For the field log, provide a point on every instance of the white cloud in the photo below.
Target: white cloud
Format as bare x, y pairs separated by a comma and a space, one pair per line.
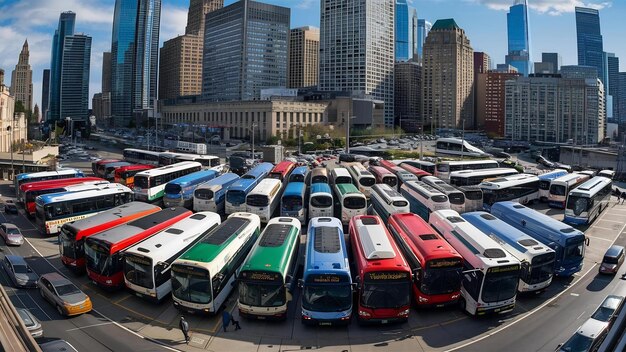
307, 4
173, 21
38, 13
550, 7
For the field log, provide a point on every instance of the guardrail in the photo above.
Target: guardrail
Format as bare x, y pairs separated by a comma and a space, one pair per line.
14, 336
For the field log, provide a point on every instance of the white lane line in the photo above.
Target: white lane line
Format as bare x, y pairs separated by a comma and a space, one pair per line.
581, 314
574, 294
602, 228
88, 326
615, 221
600, 238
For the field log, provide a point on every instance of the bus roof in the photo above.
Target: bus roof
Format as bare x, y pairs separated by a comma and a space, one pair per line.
551, 175
374, 242
169, 168
220, 180
320, 188
300, 170
110, 218
484, 172
508, 181
422, 187
283, 166
468, 162
265, 186
414, 170
195, 176
48, 173
39, 185
439, 184
380, 170
274, 247
295, 189
570, 178
112, 188
347, 188
326, 248
133, 167
591, 186
142, 151
242, 184
258, 171
386, 192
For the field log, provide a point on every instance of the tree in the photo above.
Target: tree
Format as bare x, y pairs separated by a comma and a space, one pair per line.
34, 117
19, 106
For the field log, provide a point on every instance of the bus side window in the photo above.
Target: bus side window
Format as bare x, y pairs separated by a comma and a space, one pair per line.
471, 282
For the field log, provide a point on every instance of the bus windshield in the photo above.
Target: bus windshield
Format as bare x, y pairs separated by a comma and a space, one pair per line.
367, 181
258, 200
439, 199
558, 190
262, 294
381, 293
500, 283
69, 248
236, 197
99, 260
205, 194
390, 180
544, 184
354, 202
321, 201
191, 284
142, 182
456, 198
327, 298
138, 270
173, 189
343, 180
575, 249
441, 280
319, 179
292, 203
474, 195
577, 204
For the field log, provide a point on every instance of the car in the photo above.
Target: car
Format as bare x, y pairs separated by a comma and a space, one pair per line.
606, 311
612, 260
32, 324
11, 234
19, 272
10, 207
587, 337
545, 162
68, 299
57, 346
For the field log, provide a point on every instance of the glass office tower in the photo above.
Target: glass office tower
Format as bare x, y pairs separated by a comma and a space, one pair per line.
589, 40
403, 37
518, 37
67, 21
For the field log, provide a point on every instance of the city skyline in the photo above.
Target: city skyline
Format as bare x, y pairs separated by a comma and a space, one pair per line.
37, 19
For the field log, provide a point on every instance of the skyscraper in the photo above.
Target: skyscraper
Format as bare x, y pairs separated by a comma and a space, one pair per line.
45, 94
408, 96
518, 37
448, 76
403, 35
423, 27
75, 66
67, 21
357, 49
413, 33
490, 88
482, 64
589, 39
554, 59
134, 58
106, 72
612, 66
304, 53
22, 79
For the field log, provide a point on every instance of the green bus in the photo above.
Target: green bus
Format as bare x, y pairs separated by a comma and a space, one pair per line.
267, 274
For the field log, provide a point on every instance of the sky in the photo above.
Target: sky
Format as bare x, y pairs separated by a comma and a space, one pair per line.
552, 27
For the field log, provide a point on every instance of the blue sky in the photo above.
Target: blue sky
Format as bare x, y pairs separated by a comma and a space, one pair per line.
552, 25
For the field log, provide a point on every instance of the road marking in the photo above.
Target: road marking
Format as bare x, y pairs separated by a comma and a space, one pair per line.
88, 326
574, 294
615, 221
123, 299
602, 228
600, 238
581, 314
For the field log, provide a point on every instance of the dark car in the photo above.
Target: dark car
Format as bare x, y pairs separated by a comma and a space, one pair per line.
10, 207
545, 162
19, 272
613, 258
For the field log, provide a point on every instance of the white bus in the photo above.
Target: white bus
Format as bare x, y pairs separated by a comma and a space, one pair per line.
456, 197
321, 202
204, 276
352, 201
264, 198
208, 161
522, 188
475, 177
340, 175
473, 197
386, 201
150, 184
607, 173
560, 188
424, 199
489, 284
211, 196
458, 147
140, 156
585, 203
363, 179
544, 182
147, 264
444, 168
189, 147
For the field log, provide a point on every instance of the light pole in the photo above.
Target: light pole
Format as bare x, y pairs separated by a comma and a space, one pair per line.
253, 126
299, 136
9, 129
346, 121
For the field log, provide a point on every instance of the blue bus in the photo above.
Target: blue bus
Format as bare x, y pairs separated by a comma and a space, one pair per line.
292, 201
299, 174
21, 179
237, 192
320, 200
566, 241
179, 192
423, 199
211, 196
326, 282
545, 180
537, 259
585, 203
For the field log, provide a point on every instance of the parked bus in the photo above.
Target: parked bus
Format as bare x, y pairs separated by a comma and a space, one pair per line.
419, 173
267, 275
386, 201
326, 281
363, 179
169, 158
30, 191
282, 170
458, 147
299, 174
236, 193
473, 197
125, 175
190, 147
21, 179
436, 266
537, 260
545, 180
586, 202
351, 201
560, 188
522, 188
384, 277
566, 241
204, 276
420, 164
590, 173
264, 199
179, 192
489, 284
293, 201
456, 197
211, 196
139, 156
320, 201
607, 173
402, 175
444, 168
54, 210
103, 251
424, 199
318, 175
97, 166
211, 162
384, 176
150, 184
340, 175
73, 234
106, 170
475, 177
148, 264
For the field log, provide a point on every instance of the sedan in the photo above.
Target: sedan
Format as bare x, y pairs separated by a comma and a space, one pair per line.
11, 234
20, 273
32, 324
10, 207
68, 299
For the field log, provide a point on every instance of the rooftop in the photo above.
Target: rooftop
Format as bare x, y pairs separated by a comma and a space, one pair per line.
444, 24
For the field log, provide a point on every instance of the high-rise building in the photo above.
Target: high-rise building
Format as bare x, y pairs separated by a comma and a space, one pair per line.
544, 68
75, 66
423, 27
413, 33
245, 50
106, 72
490, 100
67, 21
45, 94
180, 67
554, 59
403, 36
482, 64
408, 96
304, 53
518, 37
589, 39
22, 79
357, 49
134, 58
621, 96
448, 76
612, 65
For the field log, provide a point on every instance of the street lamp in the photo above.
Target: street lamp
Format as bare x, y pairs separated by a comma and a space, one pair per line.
252, 130
347, 122
299, 137
11, 149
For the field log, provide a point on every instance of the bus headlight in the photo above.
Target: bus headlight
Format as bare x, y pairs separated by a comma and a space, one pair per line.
404, 313
423, 299
365, 314
455, 296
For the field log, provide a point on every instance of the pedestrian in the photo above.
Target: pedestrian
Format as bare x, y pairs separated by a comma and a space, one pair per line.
235, 323
623, 197
184, 327
618, 194
225, 319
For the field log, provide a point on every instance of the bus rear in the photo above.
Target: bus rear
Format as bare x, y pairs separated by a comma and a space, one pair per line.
125, 175
282, 170
179, 192
292, 201
473, 197
211, 196
320, 200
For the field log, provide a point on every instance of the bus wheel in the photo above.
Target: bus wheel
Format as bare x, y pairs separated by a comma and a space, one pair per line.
462, 304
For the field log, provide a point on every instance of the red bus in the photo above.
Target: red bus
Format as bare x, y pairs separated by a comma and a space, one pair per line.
415, 171
384, 176
435, 264
31, 190
98, 166
384, 277
126, 174
73, 234
282, 170
102, 251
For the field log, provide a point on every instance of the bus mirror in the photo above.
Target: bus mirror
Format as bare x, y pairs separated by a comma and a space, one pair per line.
587, 241
354, 286
300, 283
416, 275
288, 279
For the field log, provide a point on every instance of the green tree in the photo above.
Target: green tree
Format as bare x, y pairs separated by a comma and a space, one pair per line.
19, 106
34, 117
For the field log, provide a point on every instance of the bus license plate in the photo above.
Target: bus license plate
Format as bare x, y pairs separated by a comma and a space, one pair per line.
325, 323
260, 318
384, 321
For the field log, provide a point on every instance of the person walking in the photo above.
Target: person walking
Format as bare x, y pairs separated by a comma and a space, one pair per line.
225, 319
618, 194
184, 327
235, 323
623, 197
